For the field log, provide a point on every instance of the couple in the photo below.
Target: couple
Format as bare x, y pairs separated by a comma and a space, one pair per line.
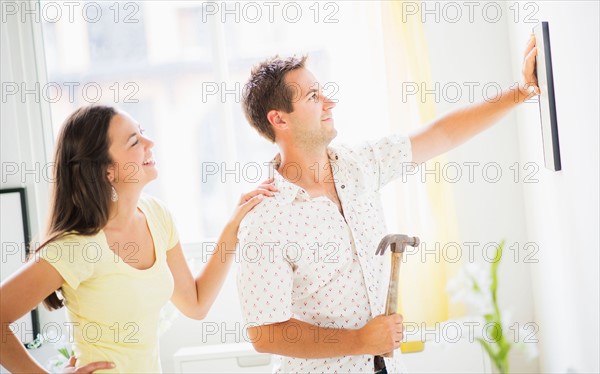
115, 255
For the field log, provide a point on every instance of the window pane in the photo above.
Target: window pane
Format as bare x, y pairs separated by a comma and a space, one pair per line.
178, 67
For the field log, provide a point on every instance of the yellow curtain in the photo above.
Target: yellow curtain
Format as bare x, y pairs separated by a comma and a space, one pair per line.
426, 209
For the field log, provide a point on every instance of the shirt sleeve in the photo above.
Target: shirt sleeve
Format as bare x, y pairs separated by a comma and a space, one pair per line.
165, 220
172, 233
388, 158
265, 276
73, 258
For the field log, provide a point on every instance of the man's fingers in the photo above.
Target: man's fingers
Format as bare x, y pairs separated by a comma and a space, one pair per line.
529, 64
530, 45
532, 87
530, 58
529, 71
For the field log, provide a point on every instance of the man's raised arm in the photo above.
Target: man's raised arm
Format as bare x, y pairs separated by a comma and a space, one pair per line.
456, 127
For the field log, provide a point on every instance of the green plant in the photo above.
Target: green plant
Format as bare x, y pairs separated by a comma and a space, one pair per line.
477, 287
499, 346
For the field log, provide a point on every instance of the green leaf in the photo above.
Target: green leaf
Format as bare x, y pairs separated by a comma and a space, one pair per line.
495, 263
475, 285
64, 351
496, 330
487, 347
497, 361
504, 349
494, 273
499, 348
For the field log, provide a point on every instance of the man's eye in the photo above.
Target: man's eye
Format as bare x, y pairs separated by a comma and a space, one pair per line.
315, 97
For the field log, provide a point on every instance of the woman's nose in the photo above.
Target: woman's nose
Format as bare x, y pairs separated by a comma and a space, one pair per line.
149, 143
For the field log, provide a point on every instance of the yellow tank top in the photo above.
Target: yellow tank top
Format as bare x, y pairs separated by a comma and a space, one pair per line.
113, 308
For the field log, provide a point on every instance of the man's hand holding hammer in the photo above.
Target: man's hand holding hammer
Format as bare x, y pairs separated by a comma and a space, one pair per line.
382, 334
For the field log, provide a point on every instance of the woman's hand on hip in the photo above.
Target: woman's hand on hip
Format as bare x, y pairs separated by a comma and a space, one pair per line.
85, 369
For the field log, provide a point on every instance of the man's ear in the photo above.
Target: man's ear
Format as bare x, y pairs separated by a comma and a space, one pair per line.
275, 120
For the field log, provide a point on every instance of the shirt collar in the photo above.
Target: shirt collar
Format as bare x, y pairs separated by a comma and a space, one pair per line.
289, 191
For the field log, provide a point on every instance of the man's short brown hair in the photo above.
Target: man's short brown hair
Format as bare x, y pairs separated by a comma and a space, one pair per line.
266, 90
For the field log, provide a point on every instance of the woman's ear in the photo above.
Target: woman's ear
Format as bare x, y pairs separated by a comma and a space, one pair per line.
111, 174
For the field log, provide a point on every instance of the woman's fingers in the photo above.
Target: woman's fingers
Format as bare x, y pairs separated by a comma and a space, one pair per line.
251, 194
253, 201
89, 368
244, 208
270, 187
266, 188
98, 365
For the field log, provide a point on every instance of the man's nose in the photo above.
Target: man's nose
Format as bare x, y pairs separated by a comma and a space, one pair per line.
328, 103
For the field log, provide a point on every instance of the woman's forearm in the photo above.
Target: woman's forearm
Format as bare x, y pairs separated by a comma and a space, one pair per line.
211, 278
15, 357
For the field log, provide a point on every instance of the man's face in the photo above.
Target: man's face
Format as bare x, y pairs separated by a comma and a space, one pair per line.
311, 121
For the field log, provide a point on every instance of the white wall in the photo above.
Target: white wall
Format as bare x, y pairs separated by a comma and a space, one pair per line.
561, 211
477, 54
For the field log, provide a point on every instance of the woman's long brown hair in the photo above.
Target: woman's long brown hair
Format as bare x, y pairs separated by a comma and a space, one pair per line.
81, 192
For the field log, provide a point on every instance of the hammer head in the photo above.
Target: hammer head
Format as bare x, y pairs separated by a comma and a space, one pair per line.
397, 243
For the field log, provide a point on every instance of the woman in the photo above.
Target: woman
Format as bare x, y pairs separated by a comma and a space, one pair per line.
113, 252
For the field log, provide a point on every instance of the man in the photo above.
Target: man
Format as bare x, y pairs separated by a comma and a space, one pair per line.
311, 289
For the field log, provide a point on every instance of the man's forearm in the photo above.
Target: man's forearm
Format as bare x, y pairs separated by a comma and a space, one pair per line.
456, 127
295, 338
463, 124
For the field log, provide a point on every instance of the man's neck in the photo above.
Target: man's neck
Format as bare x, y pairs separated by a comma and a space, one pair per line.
306, 168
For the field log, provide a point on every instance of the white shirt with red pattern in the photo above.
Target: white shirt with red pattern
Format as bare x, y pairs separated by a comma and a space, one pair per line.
302, 259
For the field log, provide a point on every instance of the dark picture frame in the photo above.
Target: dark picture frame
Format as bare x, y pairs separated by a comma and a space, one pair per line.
15, 237
546, 100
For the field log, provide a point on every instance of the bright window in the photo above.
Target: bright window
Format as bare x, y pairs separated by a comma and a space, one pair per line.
179, 68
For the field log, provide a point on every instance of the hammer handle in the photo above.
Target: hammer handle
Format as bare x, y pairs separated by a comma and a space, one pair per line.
391, 305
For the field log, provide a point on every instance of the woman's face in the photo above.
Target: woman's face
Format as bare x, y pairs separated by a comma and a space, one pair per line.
131, 153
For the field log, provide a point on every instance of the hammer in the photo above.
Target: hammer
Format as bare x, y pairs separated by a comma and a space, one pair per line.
397, 243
